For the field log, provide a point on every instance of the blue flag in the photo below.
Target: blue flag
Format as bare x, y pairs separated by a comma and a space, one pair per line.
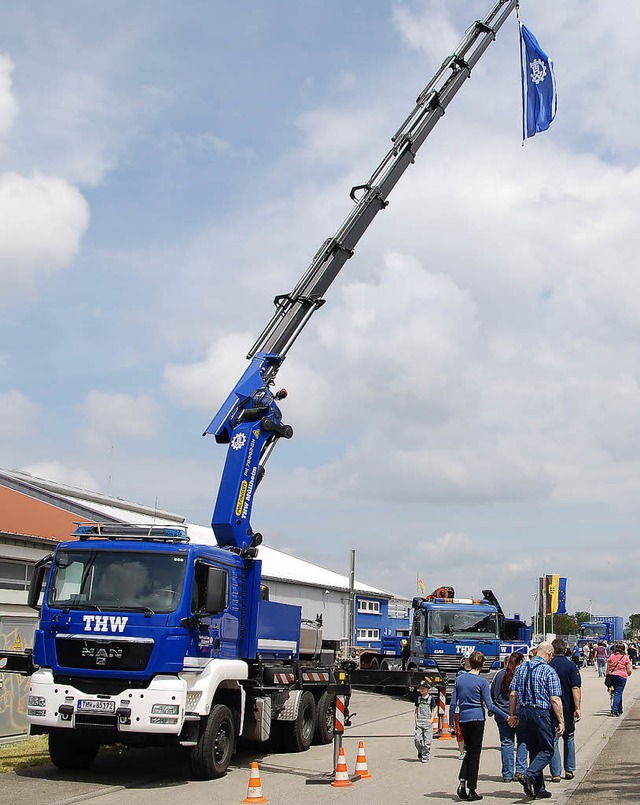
539, 101
562, 596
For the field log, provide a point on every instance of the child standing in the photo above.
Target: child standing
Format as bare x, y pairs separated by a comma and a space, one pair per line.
425, 706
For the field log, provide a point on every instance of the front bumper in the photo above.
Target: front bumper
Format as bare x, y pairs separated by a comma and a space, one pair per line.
54, 705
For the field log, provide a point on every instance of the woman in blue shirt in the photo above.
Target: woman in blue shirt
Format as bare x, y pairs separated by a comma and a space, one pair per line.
509, 738
471, 694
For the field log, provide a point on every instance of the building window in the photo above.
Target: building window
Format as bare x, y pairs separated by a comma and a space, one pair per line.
368, 634
398, 610
15, 575
369, 607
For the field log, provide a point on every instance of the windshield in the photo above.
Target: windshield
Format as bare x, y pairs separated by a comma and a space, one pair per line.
116, 580
462, 623
593, 631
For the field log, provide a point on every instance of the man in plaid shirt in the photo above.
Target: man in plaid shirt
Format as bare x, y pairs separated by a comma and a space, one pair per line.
536, 698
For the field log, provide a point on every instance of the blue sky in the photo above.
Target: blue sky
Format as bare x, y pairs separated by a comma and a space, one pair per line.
465, 404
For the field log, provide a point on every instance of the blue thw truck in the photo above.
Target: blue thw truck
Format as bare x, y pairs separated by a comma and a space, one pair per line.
609, 628
147, 639
444, 631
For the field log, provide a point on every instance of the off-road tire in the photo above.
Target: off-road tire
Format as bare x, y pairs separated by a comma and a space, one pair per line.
297, 735
211, 756
325, 719
70, 751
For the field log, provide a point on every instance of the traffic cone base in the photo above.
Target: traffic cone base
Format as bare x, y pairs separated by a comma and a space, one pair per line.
361, 763
436, 725
254, 792
342, 775
445, 735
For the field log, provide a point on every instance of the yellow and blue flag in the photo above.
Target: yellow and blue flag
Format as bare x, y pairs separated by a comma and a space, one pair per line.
556, 595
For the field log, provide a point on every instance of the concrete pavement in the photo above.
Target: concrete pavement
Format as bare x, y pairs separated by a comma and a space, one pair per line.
606, 752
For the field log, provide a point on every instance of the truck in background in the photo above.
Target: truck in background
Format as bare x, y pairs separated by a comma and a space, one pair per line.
444, 631
609, 628
515, 634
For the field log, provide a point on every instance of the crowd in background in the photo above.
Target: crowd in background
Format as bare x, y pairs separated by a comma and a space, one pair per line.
536, 702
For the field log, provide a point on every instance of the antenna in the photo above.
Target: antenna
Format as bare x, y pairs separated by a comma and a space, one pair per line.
110, 468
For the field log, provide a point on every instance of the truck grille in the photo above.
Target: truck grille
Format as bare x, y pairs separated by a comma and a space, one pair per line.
452, 663
103, 654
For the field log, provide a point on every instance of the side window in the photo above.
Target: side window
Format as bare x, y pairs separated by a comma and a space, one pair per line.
418, 629
199, 594
210, 589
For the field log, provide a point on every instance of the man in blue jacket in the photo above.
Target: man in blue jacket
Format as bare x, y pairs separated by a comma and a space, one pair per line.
571, 684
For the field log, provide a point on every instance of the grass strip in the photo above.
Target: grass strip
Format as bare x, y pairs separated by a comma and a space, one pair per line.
19, 755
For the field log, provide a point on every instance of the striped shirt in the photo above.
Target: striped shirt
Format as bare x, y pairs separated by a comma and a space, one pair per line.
536, 682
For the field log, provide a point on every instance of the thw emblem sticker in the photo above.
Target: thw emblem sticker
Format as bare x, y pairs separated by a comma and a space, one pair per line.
105, 623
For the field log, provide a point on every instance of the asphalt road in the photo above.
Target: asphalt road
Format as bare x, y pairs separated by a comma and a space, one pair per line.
607, 756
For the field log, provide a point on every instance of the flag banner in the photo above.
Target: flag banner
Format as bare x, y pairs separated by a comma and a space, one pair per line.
539, 100
420, 585
562, 596
556, 595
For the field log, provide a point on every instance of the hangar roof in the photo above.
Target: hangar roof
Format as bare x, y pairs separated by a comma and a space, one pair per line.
276, 565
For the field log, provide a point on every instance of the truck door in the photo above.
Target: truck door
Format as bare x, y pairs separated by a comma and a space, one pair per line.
214, 605
418, 633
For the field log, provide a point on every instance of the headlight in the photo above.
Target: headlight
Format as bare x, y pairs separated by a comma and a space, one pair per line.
37, 701
166, 709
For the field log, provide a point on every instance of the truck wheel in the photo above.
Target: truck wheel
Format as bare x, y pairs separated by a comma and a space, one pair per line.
297, 735
70, 751
325, 718
211, 756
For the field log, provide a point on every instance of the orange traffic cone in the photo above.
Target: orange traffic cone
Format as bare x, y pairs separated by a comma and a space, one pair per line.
435, 724
361, 763
254, 793
342, 775
445, 735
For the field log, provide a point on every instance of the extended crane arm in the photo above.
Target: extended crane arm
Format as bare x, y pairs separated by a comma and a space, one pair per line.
250, 420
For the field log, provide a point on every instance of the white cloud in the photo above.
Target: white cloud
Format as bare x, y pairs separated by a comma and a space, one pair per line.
58, 472
17, 414
42, 219
430, 31
114, 417
8, 103
206, 384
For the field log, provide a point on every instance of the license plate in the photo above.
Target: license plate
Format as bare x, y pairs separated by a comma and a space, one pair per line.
96, 706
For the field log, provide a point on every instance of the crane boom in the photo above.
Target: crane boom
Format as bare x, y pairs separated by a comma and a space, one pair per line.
250, 420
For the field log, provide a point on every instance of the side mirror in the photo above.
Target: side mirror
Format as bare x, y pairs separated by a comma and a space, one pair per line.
35, 587
216, 600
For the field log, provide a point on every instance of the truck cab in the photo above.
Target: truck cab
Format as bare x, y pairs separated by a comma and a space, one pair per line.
446, 630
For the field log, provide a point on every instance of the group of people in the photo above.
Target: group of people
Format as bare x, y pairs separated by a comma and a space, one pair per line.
598, 653
535, 701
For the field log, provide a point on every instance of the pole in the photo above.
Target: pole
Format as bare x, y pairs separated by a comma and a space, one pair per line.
544, 607
352, 601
